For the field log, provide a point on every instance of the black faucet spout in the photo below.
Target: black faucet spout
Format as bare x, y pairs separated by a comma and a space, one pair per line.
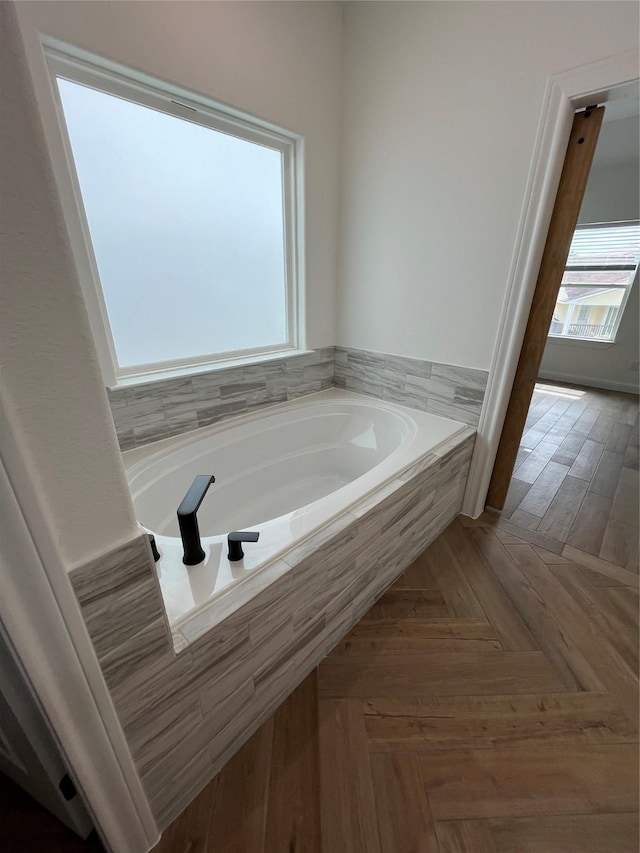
188, 520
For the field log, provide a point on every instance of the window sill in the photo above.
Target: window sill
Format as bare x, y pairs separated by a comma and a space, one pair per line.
209, 367
589, 343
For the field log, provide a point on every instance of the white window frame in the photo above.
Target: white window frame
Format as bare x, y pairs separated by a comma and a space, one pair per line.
602, 342
79, 67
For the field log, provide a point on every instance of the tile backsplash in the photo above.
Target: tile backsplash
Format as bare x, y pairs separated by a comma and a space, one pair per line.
442, 389
154, 410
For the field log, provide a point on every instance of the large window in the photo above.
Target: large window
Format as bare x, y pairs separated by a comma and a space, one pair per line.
188, 216
600, 270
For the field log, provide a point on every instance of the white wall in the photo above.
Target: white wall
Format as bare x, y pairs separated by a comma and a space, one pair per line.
613, 193
278, 61
442, 105
613, 189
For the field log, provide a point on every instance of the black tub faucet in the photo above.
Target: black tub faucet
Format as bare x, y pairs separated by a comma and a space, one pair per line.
188, 522
235, 541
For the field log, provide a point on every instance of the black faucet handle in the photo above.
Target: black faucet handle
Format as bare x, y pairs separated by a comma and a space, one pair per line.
235, 540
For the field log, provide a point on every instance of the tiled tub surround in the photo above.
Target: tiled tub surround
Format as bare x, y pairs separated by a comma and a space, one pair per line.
151, 411
185, 714
286, 474
441, 389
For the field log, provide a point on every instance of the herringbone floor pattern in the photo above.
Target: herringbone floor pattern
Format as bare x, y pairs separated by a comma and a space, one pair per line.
576, 476
486, 704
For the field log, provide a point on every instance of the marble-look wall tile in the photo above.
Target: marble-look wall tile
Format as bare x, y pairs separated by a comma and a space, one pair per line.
154, 410
189, 782
120, 596
185, 714
227, 682
442, 389
141, 649
408, 366
111, 572
123, 614
465, 377
161, 728
166, 677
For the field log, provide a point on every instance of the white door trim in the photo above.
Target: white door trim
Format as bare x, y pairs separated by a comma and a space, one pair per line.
43, 621
33, 759
564, 94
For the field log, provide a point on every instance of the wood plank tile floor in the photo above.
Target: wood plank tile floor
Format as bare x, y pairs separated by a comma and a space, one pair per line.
576, 475
488, 703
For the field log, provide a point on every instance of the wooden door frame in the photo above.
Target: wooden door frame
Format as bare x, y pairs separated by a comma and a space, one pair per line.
564, 95
573, 183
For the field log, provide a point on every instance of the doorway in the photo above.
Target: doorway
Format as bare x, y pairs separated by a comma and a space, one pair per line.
575, 477
566, 92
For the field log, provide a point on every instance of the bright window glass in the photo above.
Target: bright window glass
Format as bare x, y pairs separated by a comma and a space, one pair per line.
600, 270
187, 229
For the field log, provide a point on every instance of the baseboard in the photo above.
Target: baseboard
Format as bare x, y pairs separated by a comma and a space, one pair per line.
606, 384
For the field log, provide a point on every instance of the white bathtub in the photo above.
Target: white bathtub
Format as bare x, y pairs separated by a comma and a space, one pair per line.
285, 471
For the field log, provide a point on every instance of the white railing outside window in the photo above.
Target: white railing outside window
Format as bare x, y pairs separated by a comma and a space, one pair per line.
601, 267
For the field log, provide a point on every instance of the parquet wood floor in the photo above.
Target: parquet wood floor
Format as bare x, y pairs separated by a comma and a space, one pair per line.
487, 703
576, 474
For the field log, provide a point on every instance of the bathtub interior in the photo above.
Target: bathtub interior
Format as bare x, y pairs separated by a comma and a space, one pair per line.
268, 468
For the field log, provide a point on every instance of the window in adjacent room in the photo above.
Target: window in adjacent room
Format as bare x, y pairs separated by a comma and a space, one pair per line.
189, 220
600, 270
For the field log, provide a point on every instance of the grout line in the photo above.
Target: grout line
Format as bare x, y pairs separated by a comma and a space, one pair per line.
541, 816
